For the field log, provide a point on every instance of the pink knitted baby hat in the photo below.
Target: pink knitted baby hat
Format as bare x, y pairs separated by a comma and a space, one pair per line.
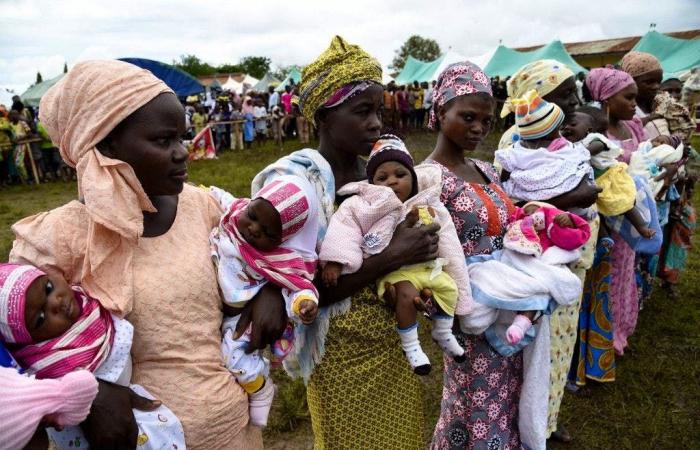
14, 282
290, 202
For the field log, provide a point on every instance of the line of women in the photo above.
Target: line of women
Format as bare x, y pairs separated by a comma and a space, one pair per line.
137, 228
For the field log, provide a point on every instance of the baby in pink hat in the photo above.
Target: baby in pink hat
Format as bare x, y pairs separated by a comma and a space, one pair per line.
52, 330
270, 238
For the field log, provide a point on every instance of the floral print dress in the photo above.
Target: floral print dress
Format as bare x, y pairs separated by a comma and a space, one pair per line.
480, 396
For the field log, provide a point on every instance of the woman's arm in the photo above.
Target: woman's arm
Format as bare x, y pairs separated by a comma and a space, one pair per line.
408, 246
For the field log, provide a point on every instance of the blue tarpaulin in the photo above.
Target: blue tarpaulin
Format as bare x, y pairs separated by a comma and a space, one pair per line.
178, 80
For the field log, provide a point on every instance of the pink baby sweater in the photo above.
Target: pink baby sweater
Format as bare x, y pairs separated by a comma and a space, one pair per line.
552, 234
364, 225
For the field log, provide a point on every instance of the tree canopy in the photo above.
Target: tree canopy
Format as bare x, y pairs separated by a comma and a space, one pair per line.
425, 49
255, 66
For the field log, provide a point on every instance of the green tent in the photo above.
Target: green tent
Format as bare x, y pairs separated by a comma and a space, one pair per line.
32, 96
677, 56
293, 75
417, 70
265, 82
506, 61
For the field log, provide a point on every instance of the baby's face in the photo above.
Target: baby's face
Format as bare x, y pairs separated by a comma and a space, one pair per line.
396, 176
577, 126
51, 308
261, 225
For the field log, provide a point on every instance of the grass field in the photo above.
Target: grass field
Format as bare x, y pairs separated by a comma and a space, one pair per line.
652, 405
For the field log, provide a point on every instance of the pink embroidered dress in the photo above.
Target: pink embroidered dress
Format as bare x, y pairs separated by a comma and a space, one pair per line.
623, 287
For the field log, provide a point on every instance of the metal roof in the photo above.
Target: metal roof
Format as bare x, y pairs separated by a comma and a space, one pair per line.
617, 45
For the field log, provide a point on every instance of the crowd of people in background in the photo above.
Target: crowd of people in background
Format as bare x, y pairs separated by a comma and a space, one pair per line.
577, 272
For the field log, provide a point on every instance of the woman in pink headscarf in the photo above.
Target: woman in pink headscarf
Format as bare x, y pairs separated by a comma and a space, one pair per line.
134, 230
480, 396
617, 92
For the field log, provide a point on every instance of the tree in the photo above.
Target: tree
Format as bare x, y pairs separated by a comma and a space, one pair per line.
229, 68
39, 79
65, 67
425, 49
194, 66
255, 66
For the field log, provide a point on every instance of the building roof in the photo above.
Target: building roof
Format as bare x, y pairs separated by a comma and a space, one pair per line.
617, 45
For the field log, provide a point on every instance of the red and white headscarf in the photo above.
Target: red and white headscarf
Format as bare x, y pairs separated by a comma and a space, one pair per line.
85, 345
14, 282
287, 266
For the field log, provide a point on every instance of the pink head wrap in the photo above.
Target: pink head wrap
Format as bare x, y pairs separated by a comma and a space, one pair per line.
291, 204
605, 82
14, 282
79, 112
456, 80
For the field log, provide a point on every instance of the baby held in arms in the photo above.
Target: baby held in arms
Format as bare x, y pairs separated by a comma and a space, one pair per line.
364, 225
52, 329
270, 238
587, 126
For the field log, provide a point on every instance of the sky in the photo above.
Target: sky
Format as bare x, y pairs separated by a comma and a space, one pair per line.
39, 35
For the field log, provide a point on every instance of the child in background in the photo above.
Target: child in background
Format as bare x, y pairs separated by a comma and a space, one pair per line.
52, 329
269, 238
249, 124
260, 114
199, 119
364, 225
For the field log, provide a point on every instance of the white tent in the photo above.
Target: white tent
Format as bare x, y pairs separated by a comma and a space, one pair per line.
251, 81
239, 87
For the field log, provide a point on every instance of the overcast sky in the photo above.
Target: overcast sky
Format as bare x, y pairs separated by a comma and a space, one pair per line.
39, 35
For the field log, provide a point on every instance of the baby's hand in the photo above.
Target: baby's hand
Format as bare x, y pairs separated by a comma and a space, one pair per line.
564, 221
647, 232
530, 209
412, 217
308, 311
330, 273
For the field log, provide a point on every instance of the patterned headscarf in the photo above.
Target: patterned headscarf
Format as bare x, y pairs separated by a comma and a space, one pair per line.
543, 75
457, 79
14, 283
340, 66
639, 63
78, 112
605, 82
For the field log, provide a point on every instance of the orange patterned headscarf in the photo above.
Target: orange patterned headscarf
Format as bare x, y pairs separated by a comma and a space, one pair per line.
79, 112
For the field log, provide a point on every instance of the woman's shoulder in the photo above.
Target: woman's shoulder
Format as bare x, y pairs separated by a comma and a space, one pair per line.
71, 215
488, 169
198, 201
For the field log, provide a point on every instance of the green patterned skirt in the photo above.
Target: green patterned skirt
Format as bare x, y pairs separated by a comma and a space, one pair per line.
364, 395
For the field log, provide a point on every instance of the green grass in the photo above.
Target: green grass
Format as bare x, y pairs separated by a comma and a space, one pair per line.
652, 405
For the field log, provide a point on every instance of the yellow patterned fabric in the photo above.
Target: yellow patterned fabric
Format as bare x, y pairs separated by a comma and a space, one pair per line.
619, 191
363, 395
341, 64
543, 75
563, 326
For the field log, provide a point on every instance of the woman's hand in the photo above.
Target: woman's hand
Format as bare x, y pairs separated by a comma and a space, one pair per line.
111, 423
266, 314
411, 245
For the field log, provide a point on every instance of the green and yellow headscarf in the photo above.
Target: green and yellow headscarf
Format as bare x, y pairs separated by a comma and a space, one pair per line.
342, 64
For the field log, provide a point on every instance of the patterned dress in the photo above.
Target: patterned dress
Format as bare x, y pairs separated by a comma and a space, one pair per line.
623, 286
480, 396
